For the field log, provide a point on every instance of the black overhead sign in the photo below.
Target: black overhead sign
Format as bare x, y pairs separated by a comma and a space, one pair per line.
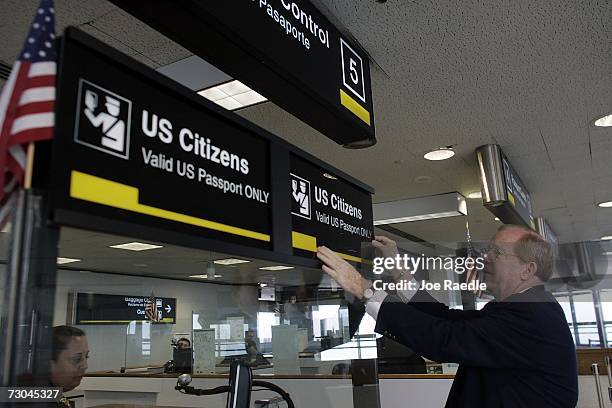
136, 154
328, 211
504, 194
285, 49
94, 308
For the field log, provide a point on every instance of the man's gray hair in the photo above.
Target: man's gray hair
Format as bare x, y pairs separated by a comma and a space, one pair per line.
532, 247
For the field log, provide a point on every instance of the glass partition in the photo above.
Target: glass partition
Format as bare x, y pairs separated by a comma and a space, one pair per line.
211, 308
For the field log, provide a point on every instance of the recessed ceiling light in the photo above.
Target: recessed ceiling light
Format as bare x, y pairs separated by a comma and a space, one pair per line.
136, 246
422, 179
232, 95
276, 268
61, 261
606, 238
442, 153
475, 194
230, 261
329, 176
605, 121
497, 219
205, 276
605, 204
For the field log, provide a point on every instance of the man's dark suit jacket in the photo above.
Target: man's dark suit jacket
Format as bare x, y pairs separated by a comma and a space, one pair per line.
515, 353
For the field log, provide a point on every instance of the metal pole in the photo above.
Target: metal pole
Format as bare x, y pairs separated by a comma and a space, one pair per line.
609, 369
25, 343
13, 280
595, 370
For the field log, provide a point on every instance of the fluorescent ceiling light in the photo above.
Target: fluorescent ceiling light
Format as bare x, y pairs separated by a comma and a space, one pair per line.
605, 121
276, 268
605, 204
136, 246
205, 276
609, 253
475, 194
417, 218
61, 261
606, 238
497, 219
329, 176
230, 261
232, 95
442, 153
418, 209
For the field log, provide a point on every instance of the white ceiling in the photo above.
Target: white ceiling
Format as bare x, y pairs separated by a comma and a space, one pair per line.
95, 254
530, 76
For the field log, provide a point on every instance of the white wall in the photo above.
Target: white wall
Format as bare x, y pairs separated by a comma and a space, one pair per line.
107, 343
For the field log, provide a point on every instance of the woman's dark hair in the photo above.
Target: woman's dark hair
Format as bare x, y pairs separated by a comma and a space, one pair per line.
184, 339
62, 335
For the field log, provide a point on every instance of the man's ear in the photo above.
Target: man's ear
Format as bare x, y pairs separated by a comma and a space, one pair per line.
529, 271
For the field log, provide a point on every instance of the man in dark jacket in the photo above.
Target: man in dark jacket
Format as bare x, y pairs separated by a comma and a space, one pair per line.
515, 352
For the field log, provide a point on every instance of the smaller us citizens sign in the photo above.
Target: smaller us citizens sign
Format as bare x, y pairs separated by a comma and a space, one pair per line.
327, 210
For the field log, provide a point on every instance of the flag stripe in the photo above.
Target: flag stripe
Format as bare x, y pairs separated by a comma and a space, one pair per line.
42, 69
14, 167
32, 135
36, 107
6, 160
41, 81
41, 94
18, 154
7, 92
10, 185
32, 121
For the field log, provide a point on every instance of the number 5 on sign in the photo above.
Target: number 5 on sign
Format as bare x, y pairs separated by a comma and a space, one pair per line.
352, 71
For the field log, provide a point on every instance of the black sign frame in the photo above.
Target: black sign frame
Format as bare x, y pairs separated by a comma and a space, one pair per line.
96, 300
280, 152
214, 38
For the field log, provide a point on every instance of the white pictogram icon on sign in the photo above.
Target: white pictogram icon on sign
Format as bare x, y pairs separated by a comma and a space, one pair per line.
112, 127
300, 191
103, 120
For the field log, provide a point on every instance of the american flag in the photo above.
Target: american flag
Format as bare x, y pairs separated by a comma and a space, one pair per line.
151, 309
26, 104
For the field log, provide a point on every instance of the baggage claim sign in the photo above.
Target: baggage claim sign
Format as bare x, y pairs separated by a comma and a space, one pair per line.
134, 148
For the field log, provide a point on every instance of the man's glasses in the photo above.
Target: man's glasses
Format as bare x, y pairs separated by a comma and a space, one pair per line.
493, 252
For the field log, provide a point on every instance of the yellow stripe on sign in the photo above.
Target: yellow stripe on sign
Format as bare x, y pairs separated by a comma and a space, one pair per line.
110, 193
303, 241
511, 199
309, 243
351, 104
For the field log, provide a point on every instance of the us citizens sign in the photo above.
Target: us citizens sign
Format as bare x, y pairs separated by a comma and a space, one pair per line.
286, 50
136, 154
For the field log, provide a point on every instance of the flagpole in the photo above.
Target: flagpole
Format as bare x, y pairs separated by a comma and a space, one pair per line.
29, 167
